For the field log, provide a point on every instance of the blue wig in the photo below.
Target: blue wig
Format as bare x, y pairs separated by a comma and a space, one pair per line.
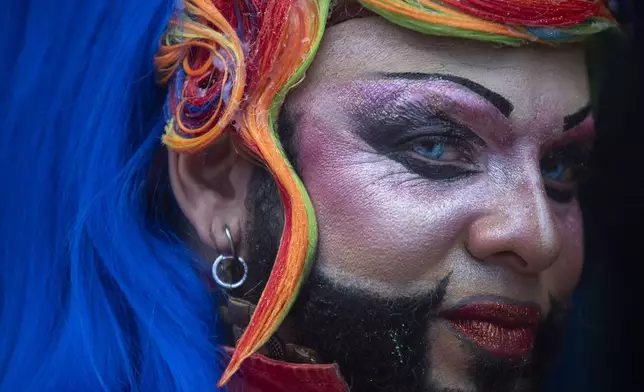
97, 293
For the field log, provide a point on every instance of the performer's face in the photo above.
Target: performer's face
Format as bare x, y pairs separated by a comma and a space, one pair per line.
432, 192
443, 174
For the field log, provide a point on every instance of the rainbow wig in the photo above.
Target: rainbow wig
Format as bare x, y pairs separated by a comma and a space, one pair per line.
229, 65
98, 291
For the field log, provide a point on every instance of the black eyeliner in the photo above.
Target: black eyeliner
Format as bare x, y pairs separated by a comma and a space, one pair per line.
559, 195
395, 133
432, 171
575, 157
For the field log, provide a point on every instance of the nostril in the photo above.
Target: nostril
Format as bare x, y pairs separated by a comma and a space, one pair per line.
506, 255
507, 258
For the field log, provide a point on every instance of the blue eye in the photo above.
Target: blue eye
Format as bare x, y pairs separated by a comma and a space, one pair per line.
555, 171
562, 170
559, 167
432, 150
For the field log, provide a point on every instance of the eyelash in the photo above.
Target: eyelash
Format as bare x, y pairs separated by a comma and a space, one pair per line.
570, 168
411, 155
459, 143
560, 184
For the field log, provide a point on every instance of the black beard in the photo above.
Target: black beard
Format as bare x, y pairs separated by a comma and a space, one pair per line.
381, 345
378, 343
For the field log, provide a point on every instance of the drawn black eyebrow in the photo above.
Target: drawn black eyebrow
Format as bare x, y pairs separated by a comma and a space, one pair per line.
496, 99
576, 118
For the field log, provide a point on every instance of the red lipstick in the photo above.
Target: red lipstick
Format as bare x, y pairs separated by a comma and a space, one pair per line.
503, 329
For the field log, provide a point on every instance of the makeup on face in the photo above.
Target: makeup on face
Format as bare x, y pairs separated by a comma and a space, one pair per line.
564, 162
423, 158
431, 159
501, 326
441, 127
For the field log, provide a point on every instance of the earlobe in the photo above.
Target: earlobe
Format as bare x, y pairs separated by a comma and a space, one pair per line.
210, 188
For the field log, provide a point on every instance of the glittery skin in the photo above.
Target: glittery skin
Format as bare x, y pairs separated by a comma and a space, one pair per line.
393, 233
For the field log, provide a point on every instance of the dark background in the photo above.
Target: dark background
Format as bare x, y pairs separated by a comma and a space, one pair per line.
605, 348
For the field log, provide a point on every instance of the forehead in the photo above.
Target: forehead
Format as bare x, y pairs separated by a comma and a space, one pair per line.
552, 79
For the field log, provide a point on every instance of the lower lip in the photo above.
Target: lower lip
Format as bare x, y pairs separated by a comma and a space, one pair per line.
498, 340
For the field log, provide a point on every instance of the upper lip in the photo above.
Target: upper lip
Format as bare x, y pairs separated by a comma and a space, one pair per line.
495, 310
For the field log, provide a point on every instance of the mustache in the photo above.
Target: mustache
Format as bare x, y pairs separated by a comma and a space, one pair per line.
433, 299
379, 344
383, 345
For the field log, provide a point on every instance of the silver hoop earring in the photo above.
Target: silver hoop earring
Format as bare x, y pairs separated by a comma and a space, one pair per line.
233, 256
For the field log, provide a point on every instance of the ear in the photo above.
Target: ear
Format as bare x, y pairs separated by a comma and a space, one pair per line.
211, 188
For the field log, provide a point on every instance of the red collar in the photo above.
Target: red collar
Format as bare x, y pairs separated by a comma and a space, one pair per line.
262, 374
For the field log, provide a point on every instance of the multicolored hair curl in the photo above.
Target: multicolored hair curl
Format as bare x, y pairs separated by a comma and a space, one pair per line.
229, 65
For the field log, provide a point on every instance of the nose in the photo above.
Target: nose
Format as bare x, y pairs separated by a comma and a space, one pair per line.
519, 232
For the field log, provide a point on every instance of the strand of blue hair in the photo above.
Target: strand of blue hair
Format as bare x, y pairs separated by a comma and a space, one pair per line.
97, 291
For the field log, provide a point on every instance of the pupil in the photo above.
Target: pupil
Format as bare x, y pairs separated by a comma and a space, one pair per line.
433, 150
553, 169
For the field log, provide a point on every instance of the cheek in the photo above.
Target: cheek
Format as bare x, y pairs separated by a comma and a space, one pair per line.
562, 278
378, 224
